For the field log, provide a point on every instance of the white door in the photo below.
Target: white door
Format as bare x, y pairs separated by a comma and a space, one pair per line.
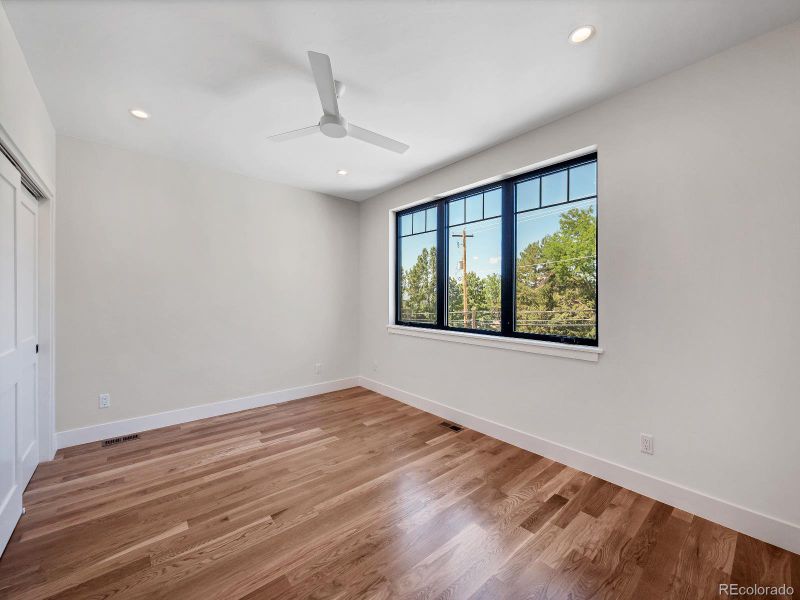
18, 419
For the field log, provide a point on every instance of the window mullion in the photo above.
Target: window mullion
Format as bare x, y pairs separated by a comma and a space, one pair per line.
507, 260
441, 265
398, 292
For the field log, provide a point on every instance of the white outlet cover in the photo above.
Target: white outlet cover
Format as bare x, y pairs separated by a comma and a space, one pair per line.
647, 443
104, 400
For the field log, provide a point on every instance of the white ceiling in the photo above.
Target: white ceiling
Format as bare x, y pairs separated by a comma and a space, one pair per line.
447, 77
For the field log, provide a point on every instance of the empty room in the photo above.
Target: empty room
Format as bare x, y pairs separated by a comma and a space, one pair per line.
377, 299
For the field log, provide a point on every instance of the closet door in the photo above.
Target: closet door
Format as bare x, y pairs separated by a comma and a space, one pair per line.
18, 419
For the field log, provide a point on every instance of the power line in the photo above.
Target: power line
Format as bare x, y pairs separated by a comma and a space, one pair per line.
556, 262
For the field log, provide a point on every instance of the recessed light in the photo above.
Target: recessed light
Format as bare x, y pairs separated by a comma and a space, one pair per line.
581, 34
139, 113
341, 172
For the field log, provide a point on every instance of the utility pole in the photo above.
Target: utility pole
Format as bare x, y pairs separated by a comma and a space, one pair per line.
463, 235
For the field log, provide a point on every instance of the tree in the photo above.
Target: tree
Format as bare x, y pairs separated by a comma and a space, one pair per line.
557, 279
418, 285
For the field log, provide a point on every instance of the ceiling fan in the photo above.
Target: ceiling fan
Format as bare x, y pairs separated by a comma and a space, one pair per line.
332, 123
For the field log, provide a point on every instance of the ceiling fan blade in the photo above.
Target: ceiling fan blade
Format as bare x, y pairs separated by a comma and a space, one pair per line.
295, 133
376, 139
323, 77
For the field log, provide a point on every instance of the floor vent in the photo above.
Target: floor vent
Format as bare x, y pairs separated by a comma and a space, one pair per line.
119, 440
452, 426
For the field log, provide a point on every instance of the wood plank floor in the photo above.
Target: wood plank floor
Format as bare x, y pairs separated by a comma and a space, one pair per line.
354, 495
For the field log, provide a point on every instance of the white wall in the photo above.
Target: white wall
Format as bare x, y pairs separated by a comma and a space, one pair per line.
699, 285
179, 285
24, 122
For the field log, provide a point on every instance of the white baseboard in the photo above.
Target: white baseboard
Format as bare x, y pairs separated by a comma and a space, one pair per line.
94, 433
764, 527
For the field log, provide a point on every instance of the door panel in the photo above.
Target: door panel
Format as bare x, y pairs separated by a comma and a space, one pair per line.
27, 404
8, 299
26, 244
27, 434
8, 402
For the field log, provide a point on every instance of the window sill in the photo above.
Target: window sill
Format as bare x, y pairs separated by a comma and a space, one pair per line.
589, 353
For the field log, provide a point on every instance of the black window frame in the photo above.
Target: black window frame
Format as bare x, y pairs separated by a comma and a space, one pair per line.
507, 217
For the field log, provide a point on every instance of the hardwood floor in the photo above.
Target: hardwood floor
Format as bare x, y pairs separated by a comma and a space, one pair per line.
354, 495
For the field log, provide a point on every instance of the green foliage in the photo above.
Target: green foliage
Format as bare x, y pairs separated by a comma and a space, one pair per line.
557, 279
418, 301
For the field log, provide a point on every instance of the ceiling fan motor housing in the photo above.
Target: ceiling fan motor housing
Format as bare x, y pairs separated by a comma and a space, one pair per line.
333, 126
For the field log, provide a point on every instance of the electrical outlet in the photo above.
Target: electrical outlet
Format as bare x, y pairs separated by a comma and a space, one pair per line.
646, 443
317, 368
374, 366
104, 400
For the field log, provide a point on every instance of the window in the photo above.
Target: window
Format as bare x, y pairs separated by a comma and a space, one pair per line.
417, 249
556, 254
473, 259
516, 258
